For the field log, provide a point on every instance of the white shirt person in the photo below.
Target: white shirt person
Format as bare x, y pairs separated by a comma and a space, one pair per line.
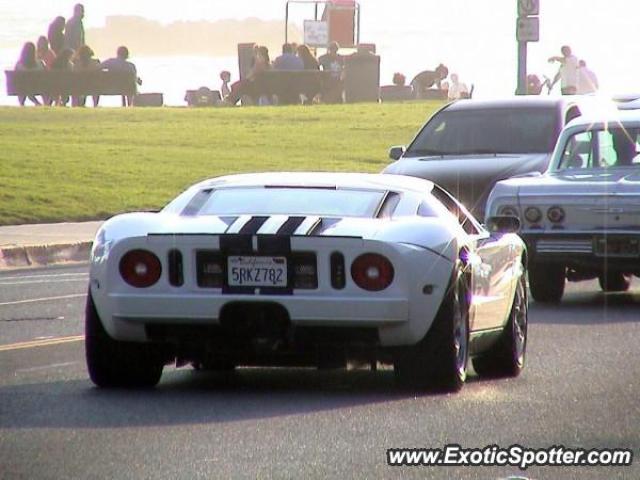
587, 79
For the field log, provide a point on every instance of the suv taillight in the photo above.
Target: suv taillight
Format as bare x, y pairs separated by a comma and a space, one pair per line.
140, 268
372, 272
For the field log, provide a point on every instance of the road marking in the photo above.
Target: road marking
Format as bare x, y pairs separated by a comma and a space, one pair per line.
44, 299
51, 275
45, 367
29, 282
41, 343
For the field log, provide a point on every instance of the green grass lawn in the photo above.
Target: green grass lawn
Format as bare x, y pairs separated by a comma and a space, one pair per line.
62, 164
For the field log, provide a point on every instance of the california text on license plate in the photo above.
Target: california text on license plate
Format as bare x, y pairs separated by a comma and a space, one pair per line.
249, 271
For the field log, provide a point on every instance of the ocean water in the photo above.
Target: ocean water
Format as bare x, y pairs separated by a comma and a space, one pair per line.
474, 39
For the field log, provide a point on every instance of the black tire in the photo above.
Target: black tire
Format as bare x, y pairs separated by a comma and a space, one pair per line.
439, 361
614, 282
507, 357
114, 364
546, 282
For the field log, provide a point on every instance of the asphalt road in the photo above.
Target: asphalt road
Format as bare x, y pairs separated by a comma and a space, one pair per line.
580, 389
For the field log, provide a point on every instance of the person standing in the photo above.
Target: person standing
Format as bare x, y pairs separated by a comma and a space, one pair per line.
74, 29
568, 71
55, 35
587, 80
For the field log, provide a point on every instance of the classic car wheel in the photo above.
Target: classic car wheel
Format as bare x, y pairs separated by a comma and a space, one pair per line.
439, 360
112, 363
546, 281
506, 358
614, 282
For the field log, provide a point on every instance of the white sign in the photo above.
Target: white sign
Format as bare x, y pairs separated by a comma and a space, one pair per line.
528, 7
528, 29
316, 33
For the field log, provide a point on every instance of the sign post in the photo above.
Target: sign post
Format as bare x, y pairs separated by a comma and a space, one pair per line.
527, 30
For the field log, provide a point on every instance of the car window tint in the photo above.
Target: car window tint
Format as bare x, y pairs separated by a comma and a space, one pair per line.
293, 201
496, 130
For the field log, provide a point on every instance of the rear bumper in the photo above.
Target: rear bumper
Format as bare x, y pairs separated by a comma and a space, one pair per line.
579, 251
302, 310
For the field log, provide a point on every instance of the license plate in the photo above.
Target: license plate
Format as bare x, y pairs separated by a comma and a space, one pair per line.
249, 271
617, 246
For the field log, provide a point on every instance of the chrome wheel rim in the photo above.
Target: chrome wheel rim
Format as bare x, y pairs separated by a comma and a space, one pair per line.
460, 337
520, 323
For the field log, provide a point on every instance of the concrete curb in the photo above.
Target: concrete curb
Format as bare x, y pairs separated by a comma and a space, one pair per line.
31, 256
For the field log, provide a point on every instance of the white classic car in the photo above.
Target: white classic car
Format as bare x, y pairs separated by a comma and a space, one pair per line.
581, 219
309, 269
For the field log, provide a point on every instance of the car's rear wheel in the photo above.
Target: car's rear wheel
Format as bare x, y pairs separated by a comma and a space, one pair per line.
439, 360
614, 282
506, 358
546, 281
113, 363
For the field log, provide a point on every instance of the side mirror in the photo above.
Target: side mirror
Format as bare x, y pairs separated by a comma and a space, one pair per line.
503, 224
396, 152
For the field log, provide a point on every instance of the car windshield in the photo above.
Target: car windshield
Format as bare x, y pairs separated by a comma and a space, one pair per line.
488, 131
601, 148
288, 201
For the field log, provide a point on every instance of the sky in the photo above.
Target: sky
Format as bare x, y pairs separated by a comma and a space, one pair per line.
474, 38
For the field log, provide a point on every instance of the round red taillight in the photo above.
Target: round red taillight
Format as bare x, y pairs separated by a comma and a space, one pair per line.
140, 268
555, 214
372, 272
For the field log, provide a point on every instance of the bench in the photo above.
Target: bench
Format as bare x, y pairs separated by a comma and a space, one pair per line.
64, 82
289, 85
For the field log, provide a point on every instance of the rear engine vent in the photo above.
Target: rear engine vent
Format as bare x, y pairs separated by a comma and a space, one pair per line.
305, 271
338, 276
210, 266
176, 272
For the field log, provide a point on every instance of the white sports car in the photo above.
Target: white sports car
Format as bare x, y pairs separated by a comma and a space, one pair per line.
581, 220
311, 269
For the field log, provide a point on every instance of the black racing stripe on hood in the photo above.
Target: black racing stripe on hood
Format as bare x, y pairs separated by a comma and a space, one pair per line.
253, 225
290, 226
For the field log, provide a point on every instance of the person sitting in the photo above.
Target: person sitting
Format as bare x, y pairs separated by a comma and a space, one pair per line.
428, 78
288, 60
28, 62
44, 53
225, 76
624, 143
457, 89
62, 63
534, 85
120, 63
308, 60
245, 89
84, 61
331, 61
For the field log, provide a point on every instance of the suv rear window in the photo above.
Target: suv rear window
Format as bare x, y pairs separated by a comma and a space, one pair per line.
495, 130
